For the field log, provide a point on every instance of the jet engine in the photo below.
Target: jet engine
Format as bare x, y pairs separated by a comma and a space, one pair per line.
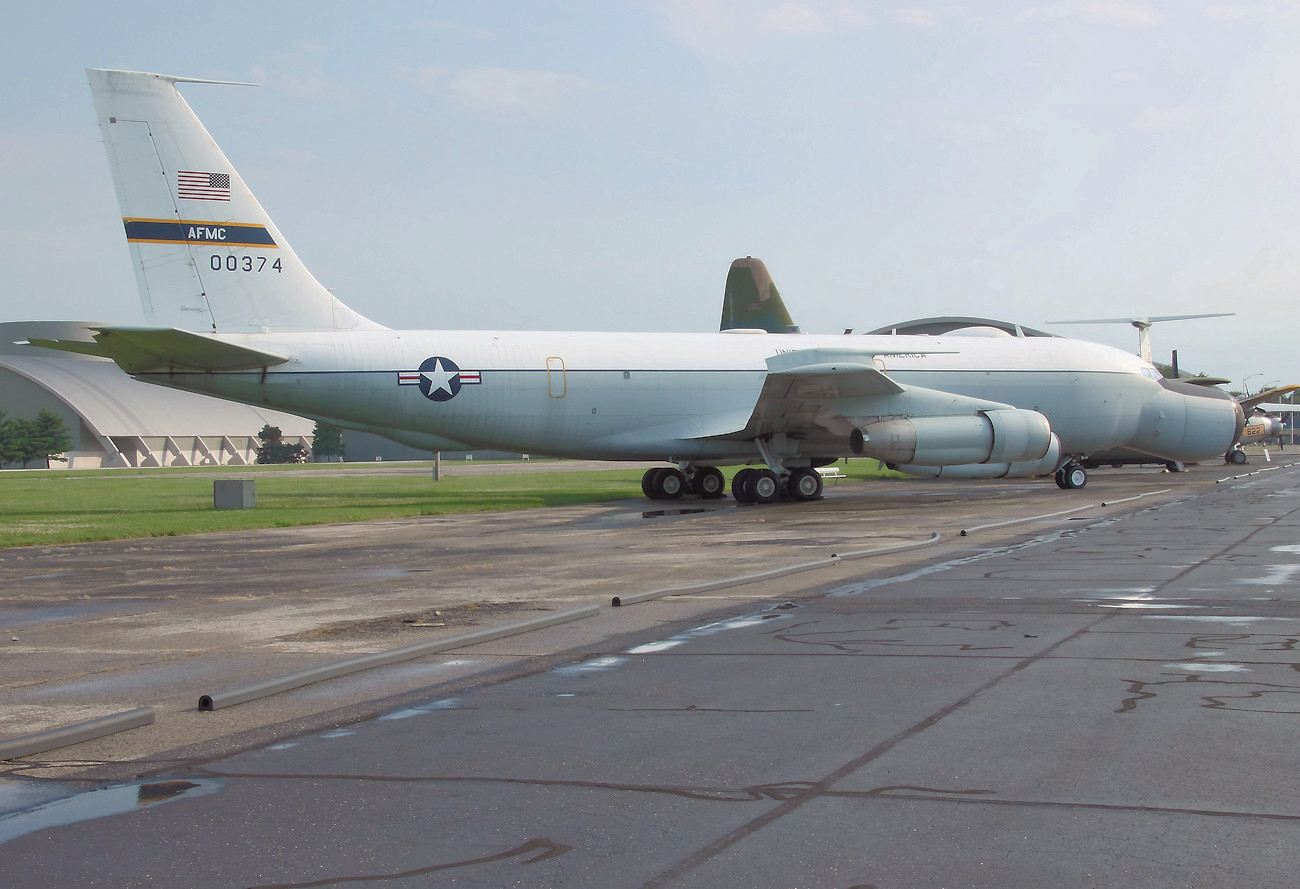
992, 436
1188, 423
1045, 465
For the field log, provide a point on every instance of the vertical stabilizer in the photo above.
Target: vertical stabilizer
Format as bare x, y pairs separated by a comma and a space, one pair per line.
751, 300
207, 257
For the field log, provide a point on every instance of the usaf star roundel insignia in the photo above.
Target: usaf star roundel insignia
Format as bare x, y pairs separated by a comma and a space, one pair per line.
439, 378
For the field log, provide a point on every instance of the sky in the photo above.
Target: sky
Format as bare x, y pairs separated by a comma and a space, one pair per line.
597, 165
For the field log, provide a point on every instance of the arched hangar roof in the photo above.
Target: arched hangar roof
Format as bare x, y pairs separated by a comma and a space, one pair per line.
120, 420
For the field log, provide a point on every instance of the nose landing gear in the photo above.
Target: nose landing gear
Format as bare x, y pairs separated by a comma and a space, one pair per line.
1071, 475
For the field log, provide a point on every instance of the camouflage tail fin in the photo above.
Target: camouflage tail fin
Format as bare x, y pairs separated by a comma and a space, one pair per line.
751, 300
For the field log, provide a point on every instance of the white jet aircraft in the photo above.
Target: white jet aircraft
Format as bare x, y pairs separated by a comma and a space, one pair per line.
240, 317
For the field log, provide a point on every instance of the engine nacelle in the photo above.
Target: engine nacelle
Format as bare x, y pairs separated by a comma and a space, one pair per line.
1024, 469
1261, 427
1188, 423
994, 436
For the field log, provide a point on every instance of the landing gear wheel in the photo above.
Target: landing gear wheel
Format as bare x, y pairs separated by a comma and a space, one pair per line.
767, 485
805, 484
668, 484
663, 483
1236, 456
648, 482
742, 486
1071, 476
709, 483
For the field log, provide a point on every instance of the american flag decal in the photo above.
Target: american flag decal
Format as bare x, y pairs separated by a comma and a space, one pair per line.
195, 186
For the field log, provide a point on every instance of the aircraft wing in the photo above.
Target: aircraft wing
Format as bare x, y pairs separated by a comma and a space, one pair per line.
1250, 403
809, 393
159, 350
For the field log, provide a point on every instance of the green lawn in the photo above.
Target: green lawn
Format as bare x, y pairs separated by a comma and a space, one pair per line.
76, 506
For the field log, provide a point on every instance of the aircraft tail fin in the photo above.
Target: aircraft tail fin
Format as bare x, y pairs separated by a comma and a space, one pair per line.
752, 302
207, 257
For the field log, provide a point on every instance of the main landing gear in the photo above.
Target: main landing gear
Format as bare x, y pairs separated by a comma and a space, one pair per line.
670, 483
750, 485
1236, 455
1071, 475
764, 486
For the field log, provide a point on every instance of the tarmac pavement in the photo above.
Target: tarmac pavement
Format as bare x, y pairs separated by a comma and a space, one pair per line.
1071, 694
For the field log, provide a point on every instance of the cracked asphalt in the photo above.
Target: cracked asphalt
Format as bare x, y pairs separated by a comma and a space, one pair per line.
1089, 688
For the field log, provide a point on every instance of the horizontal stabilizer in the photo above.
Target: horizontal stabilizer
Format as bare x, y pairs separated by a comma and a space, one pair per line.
140, 350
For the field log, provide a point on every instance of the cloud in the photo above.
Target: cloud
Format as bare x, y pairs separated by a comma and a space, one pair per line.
1115, 13
449, 28
1151, 119
305, 80
729, 30
917, 17
1230, 13
503, 90
793, 18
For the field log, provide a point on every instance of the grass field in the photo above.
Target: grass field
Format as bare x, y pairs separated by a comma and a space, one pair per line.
49, 507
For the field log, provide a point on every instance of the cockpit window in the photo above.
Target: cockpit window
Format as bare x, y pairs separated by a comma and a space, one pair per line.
1151, 373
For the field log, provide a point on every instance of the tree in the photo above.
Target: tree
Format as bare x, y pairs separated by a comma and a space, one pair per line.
327, 441
22, 444
275, 449
6, 450
50, 437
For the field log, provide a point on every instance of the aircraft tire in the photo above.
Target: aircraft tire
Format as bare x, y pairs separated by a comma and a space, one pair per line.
742, 486
1239, 457
766, 485
1071, 476
709, 482
806, 484
668, 484
648, 482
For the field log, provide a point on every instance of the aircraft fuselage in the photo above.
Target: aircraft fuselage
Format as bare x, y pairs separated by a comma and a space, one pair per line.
669, 396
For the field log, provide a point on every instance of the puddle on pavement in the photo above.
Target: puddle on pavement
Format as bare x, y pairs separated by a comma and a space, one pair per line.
1276, 575
407, 713
1229, 620
16, 617
734, 623
1209, 668
1139, 599
595, 665
100, 804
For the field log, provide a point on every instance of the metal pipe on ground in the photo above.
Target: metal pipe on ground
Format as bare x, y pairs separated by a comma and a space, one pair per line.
26, 745
244, 693
707, 586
